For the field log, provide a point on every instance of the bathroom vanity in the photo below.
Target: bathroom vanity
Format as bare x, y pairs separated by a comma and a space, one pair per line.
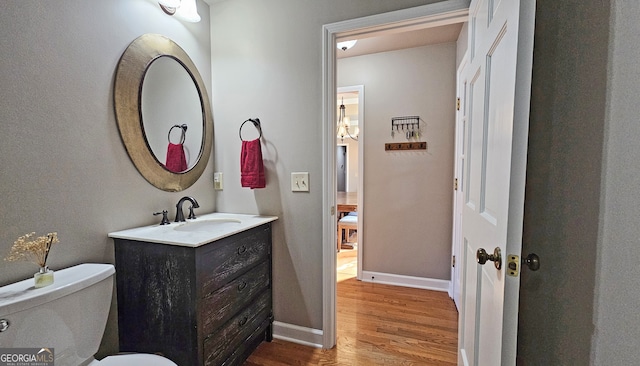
199, 292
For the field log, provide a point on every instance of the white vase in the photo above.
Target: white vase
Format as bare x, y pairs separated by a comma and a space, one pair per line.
42, 278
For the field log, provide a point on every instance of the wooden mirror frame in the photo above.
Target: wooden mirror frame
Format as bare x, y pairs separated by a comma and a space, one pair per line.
130, 73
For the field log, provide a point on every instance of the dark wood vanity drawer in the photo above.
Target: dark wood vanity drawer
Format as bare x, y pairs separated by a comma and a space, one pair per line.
220, 262
220, 306
197, 305
221, 345
244, 349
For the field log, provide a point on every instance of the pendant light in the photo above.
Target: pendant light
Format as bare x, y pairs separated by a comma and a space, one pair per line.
344, 123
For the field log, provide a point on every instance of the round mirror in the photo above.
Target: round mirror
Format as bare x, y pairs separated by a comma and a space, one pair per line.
171, 114
163, 112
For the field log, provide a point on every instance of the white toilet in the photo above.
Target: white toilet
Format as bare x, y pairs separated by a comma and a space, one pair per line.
68, 316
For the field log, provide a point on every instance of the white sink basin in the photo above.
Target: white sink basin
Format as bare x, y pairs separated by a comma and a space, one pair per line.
209, 225
193, 233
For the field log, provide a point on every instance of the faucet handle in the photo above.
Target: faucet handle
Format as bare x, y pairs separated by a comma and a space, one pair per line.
165, 219
191, 214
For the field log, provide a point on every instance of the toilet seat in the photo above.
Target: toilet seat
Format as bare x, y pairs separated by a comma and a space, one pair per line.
135, 359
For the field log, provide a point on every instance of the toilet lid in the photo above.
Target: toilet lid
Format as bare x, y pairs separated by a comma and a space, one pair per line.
136, 359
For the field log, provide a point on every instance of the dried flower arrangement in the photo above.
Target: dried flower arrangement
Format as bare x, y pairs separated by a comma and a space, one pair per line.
35, 251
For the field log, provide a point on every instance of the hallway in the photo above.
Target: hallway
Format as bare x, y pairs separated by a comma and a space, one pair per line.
377, 325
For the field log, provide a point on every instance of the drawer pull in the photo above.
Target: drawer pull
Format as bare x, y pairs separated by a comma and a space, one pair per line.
243, 321
242, 286
242, 249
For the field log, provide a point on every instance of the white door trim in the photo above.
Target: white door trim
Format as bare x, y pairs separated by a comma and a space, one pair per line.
432, 15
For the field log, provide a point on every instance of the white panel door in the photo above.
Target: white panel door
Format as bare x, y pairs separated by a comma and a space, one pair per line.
458, 194
493, 181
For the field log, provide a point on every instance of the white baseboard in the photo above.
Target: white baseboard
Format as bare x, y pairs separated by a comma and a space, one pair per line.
406, 281
297, 334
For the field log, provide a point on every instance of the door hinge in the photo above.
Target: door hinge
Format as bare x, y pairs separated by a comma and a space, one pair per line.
453, 261
458, 104
333, 210
455, 184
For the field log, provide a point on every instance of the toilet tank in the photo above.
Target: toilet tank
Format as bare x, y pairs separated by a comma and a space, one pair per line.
69, 316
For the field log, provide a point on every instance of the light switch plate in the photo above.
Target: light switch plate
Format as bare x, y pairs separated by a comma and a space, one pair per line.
300, 182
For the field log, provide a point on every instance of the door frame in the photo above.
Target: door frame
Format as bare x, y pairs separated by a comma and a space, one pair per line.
426, 16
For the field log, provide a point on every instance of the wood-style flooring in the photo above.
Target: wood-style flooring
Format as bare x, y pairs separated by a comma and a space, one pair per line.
377, 325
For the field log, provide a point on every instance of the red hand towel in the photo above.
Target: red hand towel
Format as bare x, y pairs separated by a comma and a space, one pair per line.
251, 166
176, 161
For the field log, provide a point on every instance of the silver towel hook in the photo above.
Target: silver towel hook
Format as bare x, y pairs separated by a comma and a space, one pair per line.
256, 124
183, 127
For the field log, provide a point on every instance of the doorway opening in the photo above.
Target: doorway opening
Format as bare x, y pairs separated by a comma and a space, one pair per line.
428, 16
350, 118
347, 245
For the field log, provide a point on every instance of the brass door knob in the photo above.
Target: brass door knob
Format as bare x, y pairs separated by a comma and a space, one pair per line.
482, 257
532, 261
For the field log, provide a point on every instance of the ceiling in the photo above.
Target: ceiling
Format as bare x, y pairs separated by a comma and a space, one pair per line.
403, 40
393, 41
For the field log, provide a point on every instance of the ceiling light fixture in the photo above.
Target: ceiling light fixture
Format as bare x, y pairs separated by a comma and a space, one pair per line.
346, 44
169, 6
183, 9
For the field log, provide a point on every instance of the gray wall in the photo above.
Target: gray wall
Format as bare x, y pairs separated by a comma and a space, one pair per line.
407, 194
266, 62
64, 167
563, 182
615, 341
581, 212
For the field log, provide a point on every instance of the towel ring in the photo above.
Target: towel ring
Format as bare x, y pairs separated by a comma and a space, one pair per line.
182, 135
256, 123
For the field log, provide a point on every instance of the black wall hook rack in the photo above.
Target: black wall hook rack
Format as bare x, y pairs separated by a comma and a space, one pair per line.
405, 123
408, 125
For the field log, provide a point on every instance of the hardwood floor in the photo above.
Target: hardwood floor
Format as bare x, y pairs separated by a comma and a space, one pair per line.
347, 265
377, 325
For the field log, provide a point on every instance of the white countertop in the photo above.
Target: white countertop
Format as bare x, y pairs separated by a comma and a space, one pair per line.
167, 234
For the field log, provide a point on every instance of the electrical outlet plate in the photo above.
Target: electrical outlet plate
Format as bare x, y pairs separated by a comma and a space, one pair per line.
217, 181
300, 182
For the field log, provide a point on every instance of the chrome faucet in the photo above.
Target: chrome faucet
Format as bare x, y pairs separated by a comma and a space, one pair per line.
180, 214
